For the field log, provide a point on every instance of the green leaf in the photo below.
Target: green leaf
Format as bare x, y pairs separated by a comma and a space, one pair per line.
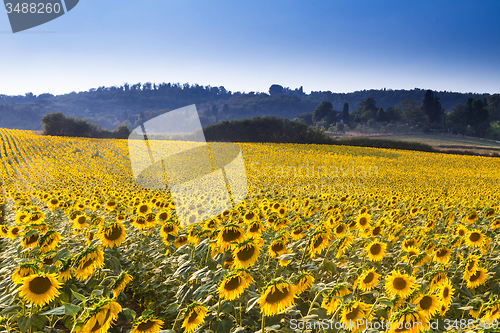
79, 296
10, 309
223, 326
23, 323
71, 309
129, 313
63, 253
56, 311
251, 303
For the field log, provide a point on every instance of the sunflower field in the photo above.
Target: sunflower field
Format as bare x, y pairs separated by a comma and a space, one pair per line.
328, 239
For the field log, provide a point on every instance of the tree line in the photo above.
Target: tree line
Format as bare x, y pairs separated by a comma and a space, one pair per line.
476, 117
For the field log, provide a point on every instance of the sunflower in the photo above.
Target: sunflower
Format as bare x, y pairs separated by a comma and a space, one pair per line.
39, 289
24, 270
112, 235
363, 221
277, 248
147, 324
162, 216
410, 242
246, 253
86, 261
442, 255
304, 281
428, 305
180, 241
80, 221
101, 316
460, 231
143, 209
495, 224
211, 224
4, 231
368, 279
344, 243
233, 285
230, 233
194, 317
332, 301
438, 279
471, 265
30, 239
319, 242
408, 321
413, 252
474, 238
49, 241
471, 218
477, 279
14, 232
492, 312
355, 316
169, 228
376, 250
399, 284
340, 229
120, 283
278, 296
446, 293
65, 270
140, 222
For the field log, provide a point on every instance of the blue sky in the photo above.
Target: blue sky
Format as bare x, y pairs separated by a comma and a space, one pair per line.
338, 45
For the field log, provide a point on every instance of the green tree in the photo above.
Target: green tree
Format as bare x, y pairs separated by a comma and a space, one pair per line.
215, 113
381, 116
275, 89
431, 107
306, 118
321, 111
367, 109
345, 114
477, 116
412, 112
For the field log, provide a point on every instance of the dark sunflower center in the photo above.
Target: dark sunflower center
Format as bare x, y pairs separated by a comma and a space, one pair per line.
32, 239
446, 292
339, 229
318, 241
470, 265
233, 283
246, 253
277, 247
115, 233
277, 296
255, 228
363, 221
376, 231
87, 263
399, 283
375, 249
48, 261
410, 243
182, 239
369, 277
461, 232
249, 216
143, 209
145, 325
192, 316
426, 302
163, 216
140, 221
81, 220
442, 253
168, 228
474, 237
411, 254
229, 235
353, 314
476, 276
15, 230
472, 216
40, 285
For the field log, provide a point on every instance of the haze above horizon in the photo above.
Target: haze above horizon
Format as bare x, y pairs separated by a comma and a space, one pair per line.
340, 46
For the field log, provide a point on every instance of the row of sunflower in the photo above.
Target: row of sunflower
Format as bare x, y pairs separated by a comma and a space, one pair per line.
85, 249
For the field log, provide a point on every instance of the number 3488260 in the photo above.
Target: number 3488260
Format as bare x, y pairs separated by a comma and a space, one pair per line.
33, 8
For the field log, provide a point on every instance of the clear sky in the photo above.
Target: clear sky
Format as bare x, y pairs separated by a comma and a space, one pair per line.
336, 45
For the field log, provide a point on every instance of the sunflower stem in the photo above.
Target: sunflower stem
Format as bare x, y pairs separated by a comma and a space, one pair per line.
263, 327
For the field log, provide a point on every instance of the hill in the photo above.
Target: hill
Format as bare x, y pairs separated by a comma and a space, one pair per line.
130, 105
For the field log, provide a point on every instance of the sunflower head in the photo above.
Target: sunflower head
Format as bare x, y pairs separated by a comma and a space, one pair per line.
146, 324
278, 296
194, 316
39, 289
112, 235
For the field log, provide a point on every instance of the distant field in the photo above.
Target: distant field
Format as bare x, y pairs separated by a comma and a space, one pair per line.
442, 142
